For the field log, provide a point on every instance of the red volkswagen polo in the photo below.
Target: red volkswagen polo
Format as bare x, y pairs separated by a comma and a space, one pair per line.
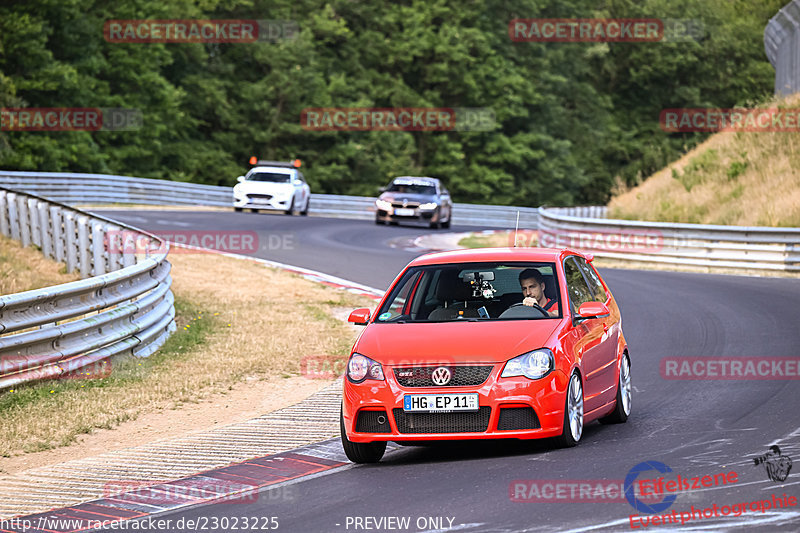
489, 343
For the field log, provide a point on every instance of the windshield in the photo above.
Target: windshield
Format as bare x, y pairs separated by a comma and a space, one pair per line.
474, 291
272, 177
412, 189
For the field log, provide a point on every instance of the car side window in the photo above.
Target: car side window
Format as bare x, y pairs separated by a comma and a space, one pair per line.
579, 291
599, 292
300, 177
398, 303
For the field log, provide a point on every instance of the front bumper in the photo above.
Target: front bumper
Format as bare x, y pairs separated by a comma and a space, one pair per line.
495, 396
281, 203
419, 215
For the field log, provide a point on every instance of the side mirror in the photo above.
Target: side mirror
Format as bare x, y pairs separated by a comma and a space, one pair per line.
593, 310
381, 189
359, 317
240, 179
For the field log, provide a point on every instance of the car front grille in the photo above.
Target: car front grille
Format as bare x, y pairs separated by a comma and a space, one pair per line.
462, 376
517, 418
410, 205
372, 422
259, 196
458, 422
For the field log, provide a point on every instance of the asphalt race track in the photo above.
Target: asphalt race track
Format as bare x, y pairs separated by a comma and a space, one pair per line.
697, 428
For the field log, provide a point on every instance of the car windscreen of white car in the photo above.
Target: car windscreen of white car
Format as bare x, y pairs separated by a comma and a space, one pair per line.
270, 177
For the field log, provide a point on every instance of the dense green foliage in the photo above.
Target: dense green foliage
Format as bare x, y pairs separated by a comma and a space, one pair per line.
571, 116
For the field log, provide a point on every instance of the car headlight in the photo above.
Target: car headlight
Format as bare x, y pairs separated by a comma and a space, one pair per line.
428, 206
361, 367
383, 205
533, 365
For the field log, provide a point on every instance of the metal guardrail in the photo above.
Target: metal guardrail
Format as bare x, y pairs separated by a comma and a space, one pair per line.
735, 247
782, 45
124, 306
84, 189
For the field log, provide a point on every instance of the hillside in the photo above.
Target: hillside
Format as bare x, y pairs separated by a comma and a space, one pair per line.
744, 179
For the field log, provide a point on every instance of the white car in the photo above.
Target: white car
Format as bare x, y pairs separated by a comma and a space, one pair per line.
272, 185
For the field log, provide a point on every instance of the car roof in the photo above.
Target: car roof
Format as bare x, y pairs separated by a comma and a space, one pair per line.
418, 180
278, 170
479, 255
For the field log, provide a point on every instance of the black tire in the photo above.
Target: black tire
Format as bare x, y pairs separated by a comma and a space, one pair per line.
254, 210
304, 212
290, 211
359, 452
237, 209
379, 221
566, 439
619, 415
446, 225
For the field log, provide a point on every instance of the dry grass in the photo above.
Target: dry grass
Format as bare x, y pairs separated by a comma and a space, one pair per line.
744, 179
499, 239
237, 321
24, 269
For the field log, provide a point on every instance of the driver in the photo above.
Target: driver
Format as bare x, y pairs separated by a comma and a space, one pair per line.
532, 283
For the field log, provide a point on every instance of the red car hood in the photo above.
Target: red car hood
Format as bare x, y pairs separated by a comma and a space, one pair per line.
453, 342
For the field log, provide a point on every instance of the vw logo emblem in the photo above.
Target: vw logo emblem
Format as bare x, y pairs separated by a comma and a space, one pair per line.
441, 376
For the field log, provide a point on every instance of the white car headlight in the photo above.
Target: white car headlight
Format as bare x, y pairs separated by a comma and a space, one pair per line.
360, 367
533, 365
383, 205
428, 206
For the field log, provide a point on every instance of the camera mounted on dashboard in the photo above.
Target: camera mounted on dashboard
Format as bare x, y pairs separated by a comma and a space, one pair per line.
480, 284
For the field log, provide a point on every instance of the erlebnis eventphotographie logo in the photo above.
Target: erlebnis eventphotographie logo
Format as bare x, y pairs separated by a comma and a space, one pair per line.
777, 465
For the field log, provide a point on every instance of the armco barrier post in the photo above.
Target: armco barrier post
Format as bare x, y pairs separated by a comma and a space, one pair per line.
98, 244
13, 216
71, 241
56, 222
45, 230
4, 229
24, 221
84, 257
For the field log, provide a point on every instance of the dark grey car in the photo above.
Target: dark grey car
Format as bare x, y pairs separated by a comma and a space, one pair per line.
412, 199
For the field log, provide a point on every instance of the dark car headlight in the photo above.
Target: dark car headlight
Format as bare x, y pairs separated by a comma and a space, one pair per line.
360, 368
533, 365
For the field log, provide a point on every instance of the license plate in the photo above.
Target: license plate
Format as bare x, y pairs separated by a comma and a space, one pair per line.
260, 201
433, 403
404, 212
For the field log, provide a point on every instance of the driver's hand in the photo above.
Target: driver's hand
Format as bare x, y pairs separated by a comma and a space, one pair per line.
530, 302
